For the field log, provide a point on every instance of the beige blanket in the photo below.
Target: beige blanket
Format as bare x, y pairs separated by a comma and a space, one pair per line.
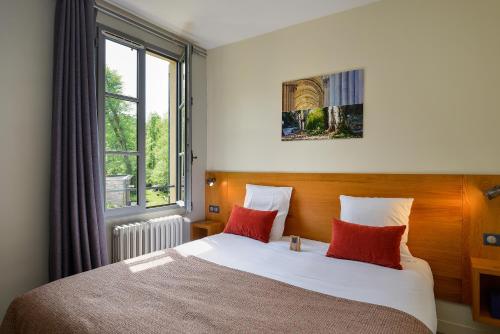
168, 293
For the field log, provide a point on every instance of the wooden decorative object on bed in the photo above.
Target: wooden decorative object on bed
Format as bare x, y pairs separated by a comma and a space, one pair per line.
295, 243
448, 216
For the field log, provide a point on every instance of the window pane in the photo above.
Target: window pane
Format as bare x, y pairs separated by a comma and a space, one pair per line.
121, 69
160, 94
183, 82
121, 125
181, 157
121, 181
181, 136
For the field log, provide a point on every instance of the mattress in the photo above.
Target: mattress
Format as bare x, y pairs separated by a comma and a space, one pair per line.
409, 290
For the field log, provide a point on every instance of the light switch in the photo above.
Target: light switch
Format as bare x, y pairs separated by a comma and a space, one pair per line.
213, 208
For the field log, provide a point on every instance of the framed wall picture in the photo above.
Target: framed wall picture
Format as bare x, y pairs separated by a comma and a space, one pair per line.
323, 107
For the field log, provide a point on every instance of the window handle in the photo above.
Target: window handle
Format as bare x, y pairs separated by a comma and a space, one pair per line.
193, 157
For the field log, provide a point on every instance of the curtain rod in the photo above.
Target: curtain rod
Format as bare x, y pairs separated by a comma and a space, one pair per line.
163, 35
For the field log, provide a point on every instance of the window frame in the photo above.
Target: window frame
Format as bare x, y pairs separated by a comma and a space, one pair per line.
103, 33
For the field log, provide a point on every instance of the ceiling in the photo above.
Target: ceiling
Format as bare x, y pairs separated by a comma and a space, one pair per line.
212, 23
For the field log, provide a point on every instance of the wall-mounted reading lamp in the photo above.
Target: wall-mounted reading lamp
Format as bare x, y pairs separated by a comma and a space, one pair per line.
492, 192
211, 181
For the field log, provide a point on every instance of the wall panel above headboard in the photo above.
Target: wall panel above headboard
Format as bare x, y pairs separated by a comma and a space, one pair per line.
448, 215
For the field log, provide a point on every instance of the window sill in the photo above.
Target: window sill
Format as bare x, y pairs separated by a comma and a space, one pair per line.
138, 214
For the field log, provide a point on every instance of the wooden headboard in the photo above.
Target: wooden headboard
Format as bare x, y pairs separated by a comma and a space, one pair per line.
448, 217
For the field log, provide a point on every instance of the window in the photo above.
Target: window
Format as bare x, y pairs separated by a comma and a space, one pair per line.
143, 125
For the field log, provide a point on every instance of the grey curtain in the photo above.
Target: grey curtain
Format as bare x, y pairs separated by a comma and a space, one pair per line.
77, 230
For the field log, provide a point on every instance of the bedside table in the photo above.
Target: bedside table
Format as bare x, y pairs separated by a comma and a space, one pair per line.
485, 277
205, 228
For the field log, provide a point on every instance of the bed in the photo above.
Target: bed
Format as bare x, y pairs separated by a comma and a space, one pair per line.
229, 283
409, 290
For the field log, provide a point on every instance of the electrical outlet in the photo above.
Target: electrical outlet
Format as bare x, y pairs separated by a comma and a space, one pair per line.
213, 208
491, 239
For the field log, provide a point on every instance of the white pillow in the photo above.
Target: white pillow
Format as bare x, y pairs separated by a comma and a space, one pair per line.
270, 198
373, 211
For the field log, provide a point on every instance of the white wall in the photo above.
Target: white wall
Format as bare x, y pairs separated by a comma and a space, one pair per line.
26, 29
431, 104
432, 77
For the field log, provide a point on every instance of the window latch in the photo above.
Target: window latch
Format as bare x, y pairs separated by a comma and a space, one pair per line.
193, 157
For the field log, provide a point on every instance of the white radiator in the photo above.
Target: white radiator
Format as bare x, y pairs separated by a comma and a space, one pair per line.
134, 239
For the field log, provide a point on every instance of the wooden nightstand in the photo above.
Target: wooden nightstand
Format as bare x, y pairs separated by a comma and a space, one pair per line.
485, 276
205, 228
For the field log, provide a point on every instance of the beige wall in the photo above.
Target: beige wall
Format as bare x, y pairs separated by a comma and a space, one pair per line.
26, 29
431, 96
431, 104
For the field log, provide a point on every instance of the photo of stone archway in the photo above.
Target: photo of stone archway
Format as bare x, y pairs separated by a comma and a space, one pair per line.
323, 107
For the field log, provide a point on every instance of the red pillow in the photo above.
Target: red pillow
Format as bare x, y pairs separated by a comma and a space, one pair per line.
377, 245
251, 223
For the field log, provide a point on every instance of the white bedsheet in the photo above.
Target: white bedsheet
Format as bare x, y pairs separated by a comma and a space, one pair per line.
409, 290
